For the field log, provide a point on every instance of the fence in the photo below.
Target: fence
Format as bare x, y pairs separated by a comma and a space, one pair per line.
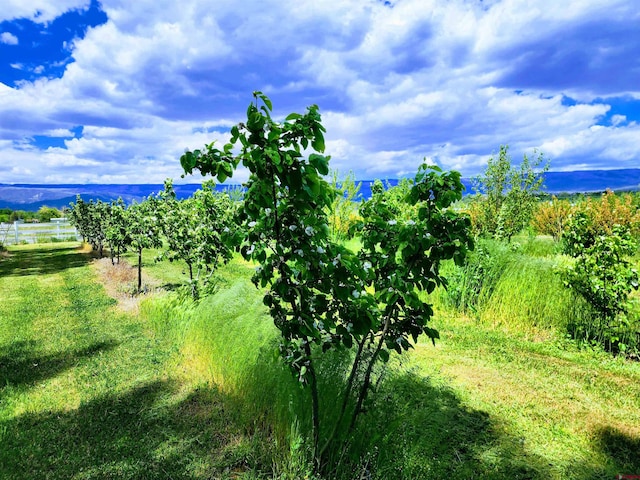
59, 230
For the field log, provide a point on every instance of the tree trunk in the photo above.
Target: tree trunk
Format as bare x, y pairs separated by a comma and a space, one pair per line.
139, 269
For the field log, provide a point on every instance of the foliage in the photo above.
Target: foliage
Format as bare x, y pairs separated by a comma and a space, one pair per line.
45, 214
344, 209
320, 293
609, 210
144, 229
197, 231
89, 218
396, 197
551, 217
506, 195
602, 274
116, 230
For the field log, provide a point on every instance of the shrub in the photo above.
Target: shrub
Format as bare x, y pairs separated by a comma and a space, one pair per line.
611, 210
603, 275
551, 217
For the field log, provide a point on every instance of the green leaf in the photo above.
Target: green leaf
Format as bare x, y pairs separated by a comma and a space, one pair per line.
267, 102
320, 162
318, 142
293, 116
384, 355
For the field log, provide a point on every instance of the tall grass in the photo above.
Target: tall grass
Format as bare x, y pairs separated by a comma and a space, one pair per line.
519, 287
229, 339
420, 423
515, 286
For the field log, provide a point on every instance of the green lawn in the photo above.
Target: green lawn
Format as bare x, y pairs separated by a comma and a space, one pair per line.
87, 391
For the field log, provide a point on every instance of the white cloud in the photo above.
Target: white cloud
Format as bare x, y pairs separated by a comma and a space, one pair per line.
8, 38
41, 11
450, 81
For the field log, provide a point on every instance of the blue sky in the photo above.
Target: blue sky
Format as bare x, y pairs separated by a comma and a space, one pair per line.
114, 91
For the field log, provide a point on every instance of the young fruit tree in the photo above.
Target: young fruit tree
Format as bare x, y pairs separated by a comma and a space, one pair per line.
507, 195
116, 230
604, 276
196, 231
321, 295
144, 229
90, 219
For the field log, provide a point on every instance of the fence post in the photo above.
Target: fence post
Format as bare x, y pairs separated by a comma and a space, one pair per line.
15, 224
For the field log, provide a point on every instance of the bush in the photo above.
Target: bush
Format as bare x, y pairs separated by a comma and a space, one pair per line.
550, 218
603, 275
45, 214
611, 210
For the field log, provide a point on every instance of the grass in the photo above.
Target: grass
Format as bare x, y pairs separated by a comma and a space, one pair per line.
553, 411
88, 391
187, 390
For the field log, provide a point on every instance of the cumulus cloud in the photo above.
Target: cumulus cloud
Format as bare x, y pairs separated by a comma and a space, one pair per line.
447, 81
41, 11
8, 38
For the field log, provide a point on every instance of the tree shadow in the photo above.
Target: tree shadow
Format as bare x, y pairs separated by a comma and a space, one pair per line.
419, 429
621, 450
141, 434
19, 365
43, 261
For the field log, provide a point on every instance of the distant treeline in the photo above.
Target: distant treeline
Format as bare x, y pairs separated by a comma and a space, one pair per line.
44, 215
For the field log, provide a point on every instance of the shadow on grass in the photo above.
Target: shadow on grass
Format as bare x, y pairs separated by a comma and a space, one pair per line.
19, 365
172, 286
143, 434
418, 429
622, 450
42, 261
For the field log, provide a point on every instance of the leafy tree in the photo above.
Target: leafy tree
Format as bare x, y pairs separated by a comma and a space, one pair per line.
611, 210
321, 295
506, 195
196, 231
116, 230
45, 214
21, 215
551, 217
144, 229
89, 218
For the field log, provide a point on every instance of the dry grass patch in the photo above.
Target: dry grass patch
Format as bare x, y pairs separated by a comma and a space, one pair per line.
119, 281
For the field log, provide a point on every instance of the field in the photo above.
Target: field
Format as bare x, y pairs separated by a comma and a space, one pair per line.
95, 384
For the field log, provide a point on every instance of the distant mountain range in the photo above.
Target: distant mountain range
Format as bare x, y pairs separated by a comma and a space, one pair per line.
31, 197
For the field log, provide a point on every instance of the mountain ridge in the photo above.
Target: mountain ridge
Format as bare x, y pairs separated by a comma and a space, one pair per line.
31, 197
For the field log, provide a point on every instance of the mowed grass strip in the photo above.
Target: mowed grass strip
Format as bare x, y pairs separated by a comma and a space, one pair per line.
88, 391
577, 412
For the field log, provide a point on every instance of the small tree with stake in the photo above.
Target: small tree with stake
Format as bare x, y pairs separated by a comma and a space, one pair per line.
196, 231
321, 295
144, 229
116, 231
